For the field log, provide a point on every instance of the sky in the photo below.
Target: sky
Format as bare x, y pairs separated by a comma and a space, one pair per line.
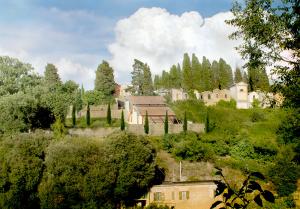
76, 35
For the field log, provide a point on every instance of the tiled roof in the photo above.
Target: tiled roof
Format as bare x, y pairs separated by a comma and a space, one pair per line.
155, 111
147, 100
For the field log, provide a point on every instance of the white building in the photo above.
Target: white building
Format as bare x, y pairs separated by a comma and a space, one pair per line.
239, 92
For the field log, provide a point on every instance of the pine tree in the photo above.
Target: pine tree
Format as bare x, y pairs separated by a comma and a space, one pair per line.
146, 125
147, 84
196, 72
245, 77
185, 123
122, 121
238, 77
258, 79
207, 75
51, 76
157, 82
207, 122
166, 124
88, 116
74, 115
108, 115
187, 74
216, 77
137, 77
165, 78
105, 82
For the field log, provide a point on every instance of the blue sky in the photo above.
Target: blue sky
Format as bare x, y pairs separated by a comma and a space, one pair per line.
77, 34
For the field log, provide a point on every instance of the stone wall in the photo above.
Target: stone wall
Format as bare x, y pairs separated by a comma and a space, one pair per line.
158, 129
154, 130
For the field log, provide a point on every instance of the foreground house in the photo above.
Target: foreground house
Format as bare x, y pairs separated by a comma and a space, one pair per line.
182, 195
137, 106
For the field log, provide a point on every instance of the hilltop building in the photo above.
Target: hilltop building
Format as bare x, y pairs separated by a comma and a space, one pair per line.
239, 92
137, 106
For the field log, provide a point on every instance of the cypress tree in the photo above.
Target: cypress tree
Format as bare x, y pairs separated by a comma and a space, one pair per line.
238, 77
74, 115
88, 115
184, 123
146, 125
166, 124
122, 121
207, 122
187, 74
108, 115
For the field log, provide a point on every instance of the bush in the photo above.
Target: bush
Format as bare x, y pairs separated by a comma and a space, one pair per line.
59, 129
242, 150
257, 116
231, 104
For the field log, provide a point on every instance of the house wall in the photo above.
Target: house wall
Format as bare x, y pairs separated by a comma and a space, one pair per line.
239, 92
200, 195
178, 94
213, 97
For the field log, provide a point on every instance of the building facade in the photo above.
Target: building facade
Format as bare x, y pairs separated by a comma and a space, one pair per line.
239, 92
182, 195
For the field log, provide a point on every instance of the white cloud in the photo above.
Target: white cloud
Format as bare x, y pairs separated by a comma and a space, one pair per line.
71, 40
159, 38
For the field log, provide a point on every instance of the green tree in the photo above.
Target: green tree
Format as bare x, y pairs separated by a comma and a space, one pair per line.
105, 81
196, 72
16, 76
94, 97
122, 121
88, 115
238, 77
51, 76
185, 123
137, 77
187, 84
59, 129
147, 84
73, 115
268, 28
166, 123
22, 165
207, 75
146, 124
108, 115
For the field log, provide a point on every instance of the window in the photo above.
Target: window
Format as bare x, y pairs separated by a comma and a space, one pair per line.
208, 96
159, 196
184, 195
217, 95
225, 95
241, 90
253, 96
201, 97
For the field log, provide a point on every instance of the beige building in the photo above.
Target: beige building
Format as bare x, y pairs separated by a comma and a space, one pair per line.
182, 195
178, 94
137, 106
213, 97
239, 92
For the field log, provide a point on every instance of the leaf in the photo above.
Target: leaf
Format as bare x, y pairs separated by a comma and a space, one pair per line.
236, 206
254, 186
216, 204
219, 173
228, 195
249, 191
258, 200
219, 169
258, 175
268, 196
220, 188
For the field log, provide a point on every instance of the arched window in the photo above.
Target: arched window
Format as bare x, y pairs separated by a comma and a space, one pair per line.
208, 96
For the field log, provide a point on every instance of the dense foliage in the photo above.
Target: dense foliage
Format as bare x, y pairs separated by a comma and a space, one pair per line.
39, 172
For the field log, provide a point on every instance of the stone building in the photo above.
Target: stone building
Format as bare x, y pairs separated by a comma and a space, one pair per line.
137, 106
178, 94
213, 97
239, 92
182, 195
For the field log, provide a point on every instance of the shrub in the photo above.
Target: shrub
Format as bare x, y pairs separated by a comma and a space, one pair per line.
242, 150
59, 129
231, 104
257, 116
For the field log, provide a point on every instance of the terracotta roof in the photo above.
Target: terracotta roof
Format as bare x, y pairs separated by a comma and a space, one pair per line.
155, 111
147, 100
